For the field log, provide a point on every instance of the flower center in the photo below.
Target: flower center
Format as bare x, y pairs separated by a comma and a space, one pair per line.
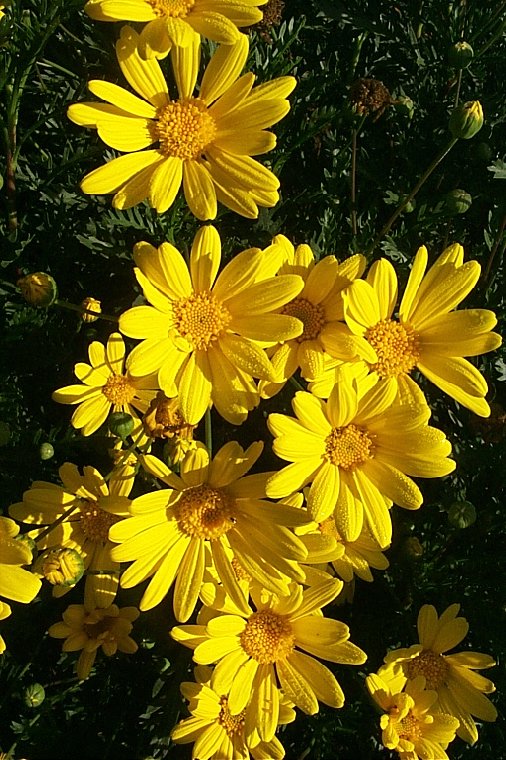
172, 8
311, 315
233, 724
184, 129
396, 345
348, 447
95, 522
100, 629
118, 390
429, 664
204, 512
409, 727
200, 319
268, 637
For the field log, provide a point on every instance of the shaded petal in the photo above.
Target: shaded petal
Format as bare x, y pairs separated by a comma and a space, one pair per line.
165, 183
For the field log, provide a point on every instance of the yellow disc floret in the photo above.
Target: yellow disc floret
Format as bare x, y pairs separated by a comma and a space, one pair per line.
200, 319
172, 8
429, 664
348, 447
233, 724
204, 512
267, 637
396, 345
118, 390
95, 522
184, 129
409, 727
311, 315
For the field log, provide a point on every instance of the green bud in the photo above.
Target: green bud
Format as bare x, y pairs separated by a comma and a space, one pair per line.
462, 514
457, 202
466, 120
404, 106
460, 55
39, 289
121, 424
34, 695
412, 548
46, 451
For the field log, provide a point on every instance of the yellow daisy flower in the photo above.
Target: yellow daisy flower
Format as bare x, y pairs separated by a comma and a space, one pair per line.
201, 330
15, 583
319, 306
357, 450
212, 504
205, 143
179, 22
460, 690
216, 733
358, 557
256, 651
91, 629
428, 334
408, 726
92, 506
107, 386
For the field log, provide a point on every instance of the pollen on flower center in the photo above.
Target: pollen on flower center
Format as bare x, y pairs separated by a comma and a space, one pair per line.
233, 724
118, 390
200, 319
409, 727
172, 8
396, 345
204, 512
184, 129
311, 315
348, 447
267, 637
95, 522
429, 664
100, 629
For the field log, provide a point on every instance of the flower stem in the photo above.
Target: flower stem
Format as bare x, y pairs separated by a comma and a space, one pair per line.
80, 310
353, 184
398, 211
57, 522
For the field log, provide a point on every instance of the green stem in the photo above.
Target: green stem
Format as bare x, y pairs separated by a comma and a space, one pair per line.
80, 310
57, 522
353, 185
457, 94
209, 432
398, 211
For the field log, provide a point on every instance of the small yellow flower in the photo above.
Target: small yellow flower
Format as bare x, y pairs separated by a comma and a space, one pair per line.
61, 567
39, 289
203, 143
460, 689
88, 630
256, 651
107, 386
179, 22
409, 726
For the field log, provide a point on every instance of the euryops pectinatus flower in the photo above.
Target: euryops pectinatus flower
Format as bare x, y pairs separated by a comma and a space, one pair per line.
16, 583
201, 331
179, 22
460, 689
357, 450
107, 386
204, 143
409, 726
256, 651
428, 335
212, 504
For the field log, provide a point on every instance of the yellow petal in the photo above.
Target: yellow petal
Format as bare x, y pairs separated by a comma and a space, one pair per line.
145, 77
165, 183
199, 190
114, 174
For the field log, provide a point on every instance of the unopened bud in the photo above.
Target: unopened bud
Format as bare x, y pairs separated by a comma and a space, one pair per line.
34, 695
457, 202
121, 424
39, 289
46, 451
61, 567
466, 120
91, 305
462, 514
460, 55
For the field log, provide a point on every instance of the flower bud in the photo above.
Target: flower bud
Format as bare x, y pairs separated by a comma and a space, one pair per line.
61, 567
460, 55
39, 289
466, 120
34, 695
405, 106
91, 305
121, 424
412, 548
46, 451
461, 514
457, 202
